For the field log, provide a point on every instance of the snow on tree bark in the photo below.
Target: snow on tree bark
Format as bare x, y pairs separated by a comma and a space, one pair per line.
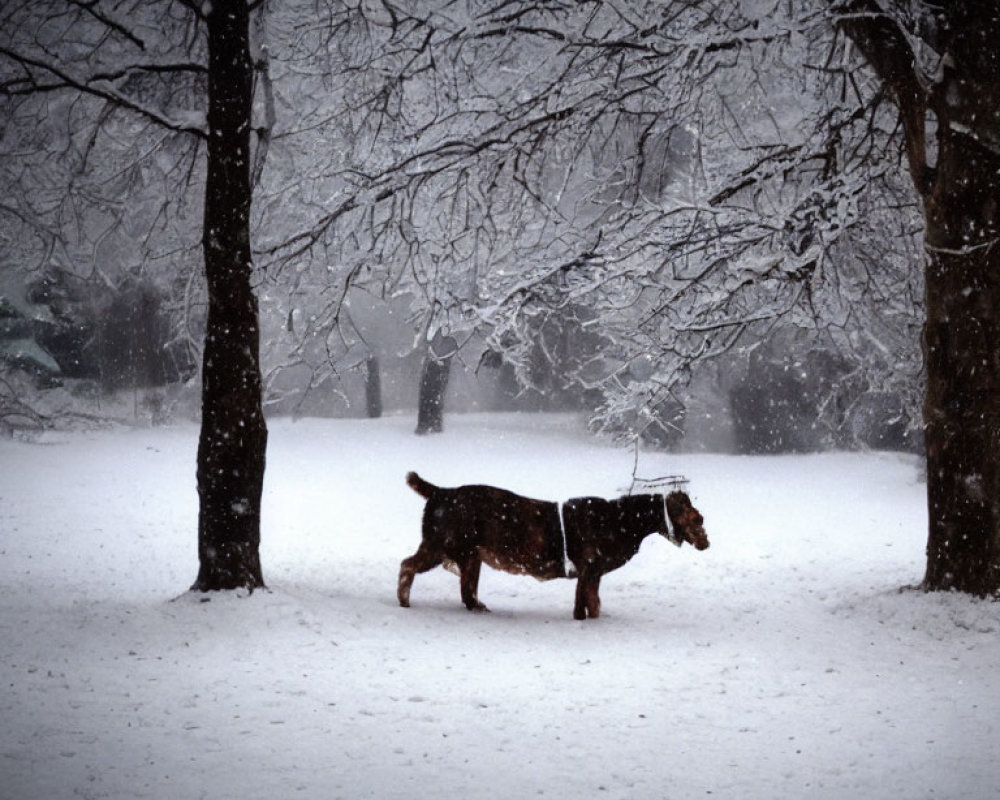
231, 448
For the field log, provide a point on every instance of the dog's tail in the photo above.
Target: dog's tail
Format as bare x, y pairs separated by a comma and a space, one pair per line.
419, 485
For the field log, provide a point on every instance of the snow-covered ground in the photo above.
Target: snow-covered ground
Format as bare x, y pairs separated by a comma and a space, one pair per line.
783, 662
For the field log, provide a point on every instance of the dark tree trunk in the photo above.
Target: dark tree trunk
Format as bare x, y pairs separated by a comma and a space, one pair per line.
961, 194
373, 387
231, 449
434, 384
962, 356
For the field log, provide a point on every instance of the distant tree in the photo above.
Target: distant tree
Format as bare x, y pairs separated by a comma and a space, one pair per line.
434, 383
783, 402
131, 338
373, 387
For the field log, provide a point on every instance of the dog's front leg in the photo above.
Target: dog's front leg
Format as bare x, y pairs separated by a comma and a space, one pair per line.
470, 568
588, 602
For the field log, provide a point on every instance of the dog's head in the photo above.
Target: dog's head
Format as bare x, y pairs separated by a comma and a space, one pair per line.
688, 524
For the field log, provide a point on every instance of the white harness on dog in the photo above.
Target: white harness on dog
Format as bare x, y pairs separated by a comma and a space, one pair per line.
568, 566
671, 530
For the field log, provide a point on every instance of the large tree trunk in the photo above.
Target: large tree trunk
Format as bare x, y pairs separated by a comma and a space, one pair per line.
961, 194
233, 440
962, 356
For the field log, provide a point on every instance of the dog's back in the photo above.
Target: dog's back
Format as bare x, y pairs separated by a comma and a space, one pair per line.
508, 531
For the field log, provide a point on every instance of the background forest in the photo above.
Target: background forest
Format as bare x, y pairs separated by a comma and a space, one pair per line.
710, 232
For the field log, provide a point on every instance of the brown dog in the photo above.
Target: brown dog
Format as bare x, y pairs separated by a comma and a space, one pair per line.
468, 525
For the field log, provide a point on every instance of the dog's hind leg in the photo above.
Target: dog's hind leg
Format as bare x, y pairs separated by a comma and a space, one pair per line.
423, 560
593, 598
469, 578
